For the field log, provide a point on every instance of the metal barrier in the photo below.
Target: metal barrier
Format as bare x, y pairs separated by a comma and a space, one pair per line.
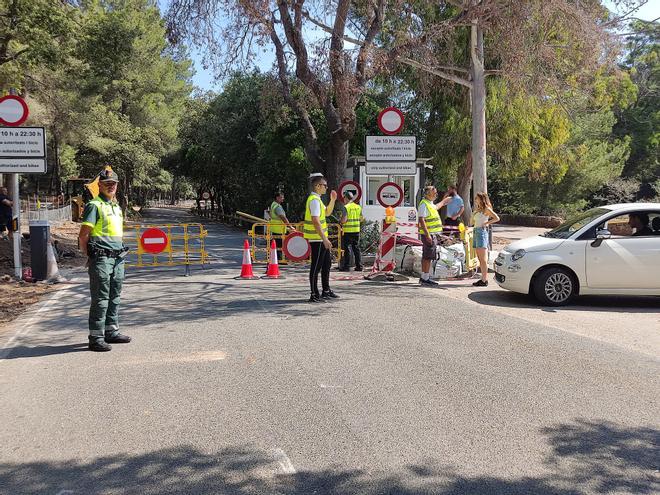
471, 260
261, 236
53, 215
185, 246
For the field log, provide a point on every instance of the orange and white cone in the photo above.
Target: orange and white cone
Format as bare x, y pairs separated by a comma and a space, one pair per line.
273, 270
246, 267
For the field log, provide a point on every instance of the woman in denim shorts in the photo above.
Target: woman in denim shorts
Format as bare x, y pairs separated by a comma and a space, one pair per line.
482, 217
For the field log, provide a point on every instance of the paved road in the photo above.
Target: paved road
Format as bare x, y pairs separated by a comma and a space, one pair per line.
234, 387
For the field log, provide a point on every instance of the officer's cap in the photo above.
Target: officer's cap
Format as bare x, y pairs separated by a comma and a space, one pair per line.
108, 175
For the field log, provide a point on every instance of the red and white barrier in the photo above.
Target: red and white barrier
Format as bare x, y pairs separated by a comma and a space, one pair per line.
385, 262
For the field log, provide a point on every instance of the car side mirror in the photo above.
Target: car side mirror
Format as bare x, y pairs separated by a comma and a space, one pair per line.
601, 235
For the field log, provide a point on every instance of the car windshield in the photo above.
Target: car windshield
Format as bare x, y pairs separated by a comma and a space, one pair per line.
568, 228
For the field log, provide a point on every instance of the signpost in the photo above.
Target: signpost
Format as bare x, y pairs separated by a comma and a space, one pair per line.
390, 194
22, 150
154, 241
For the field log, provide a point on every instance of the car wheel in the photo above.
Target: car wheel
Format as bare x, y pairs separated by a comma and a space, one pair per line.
554, 287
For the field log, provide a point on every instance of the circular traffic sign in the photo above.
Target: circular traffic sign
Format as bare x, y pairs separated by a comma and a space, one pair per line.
206, 195
296, 247
390, 121
154, 241
13, 110
390, 194
350, 186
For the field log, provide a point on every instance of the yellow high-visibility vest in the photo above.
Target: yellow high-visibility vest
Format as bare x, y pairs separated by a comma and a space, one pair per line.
353, 213
309, 232
277, 226
433, 222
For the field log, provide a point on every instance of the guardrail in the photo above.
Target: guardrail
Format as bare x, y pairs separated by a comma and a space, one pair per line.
52, 215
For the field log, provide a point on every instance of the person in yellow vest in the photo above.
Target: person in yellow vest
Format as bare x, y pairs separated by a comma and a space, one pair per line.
101, 240
430, 226
316, 232
351, 222
278, 222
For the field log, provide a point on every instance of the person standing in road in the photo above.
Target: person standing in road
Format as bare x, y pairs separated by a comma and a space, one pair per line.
455, 207
6, 214
482, 218
430, 226
351, 222
101, 240
278, 221
316, 232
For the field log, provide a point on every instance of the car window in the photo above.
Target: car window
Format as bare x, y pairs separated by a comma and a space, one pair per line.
635, 224
572, 225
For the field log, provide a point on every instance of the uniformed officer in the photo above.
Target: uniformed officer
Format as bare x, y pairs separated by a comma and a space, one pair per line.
316, 232
101, 240
430, 226
278, 221
351, 225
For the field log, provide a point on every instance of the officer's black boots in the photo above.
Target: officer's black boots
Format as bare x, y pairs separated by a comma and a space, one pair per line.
98, 345
117, 338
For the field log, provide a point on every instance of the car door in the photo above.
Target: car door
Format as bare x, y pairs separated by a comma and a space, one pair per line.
624, 261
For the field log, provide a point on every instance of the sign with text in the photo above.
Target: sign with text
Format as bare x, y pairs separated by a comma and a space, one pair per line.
391, 148
391, 168
22, 165
22, 142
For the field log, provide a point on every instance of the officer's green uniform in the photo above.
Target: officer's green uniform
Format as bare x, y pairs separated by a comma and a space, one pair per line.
106, 269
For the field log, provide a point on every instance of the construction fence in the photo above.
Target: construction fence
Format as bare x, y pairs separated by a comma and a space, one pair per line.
185, 246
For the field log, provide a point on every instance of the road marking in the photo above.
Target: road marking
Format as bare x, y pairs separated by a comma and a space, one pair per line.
323, 385
283, 460
64, 492
27, 326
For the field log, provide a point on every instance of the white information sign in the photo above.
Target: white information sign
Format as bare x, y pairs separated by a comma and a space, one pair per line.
22, 142
391, 148
391, 168
22, 165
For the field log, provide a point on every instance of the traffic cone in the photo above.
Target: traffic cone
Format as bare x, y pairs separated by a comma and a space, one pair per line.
53, 275
273, 270
246, 267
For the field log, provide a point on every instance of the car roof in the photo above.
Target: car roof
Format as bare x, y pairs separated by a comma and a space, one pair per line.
633, 206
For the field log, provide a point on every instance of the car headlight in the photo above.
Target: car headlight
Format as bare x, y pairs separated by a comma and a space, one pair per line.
518, 254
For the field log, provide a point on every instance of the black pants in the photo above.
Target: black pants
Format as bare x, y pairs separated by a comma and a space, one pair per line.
452, 222
351, 243
321, 261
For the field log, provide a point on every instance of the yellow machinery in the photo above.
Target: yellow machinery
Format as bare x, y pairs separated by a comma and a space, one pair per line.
81, 191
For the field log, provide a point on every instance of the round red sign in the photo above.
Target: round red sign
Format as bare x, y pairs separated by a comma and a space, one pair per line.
352, 186
13, 110
390, 194
296, 247
390, 121
154, 241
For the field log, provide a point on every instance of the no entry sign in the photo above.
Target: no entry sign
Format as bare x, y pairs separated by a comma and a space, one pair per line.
390, 194
296, 247
154, 241
350, 186
13, 110
390, 121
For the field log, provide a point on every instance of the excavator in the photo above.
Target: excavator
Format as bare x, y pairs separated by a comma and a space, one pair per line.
81, 191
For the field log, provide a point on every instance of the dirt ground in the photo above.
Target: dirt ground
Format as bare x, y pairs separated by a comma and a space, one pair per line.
17, 296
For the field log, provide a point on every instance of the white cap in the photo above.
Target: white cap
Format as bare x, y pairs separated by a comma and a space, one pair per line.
315, 174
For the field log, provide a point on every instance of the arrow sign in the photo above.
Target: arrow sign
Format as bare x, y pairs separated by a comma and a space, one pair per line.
13, 110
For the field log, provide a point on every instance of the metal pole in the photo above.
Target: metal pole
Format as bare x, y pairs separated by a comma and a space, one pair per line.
16, 213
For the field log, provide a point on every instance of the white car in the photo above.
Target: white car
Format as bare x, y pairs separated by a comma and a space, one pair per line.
605, 250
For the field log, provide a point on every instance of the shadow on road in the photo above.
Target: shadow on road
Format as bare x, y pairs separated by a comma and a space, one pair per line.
586, 458
618, 304
23, 351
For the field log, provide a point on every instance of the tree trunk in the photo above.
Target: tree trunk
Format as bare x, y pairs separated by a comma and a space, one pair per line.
478, 109
336, 163
464, 185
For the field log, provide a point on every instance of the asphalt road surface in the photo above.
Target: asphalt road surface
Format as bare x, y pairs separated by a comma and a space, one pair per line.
237, 387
